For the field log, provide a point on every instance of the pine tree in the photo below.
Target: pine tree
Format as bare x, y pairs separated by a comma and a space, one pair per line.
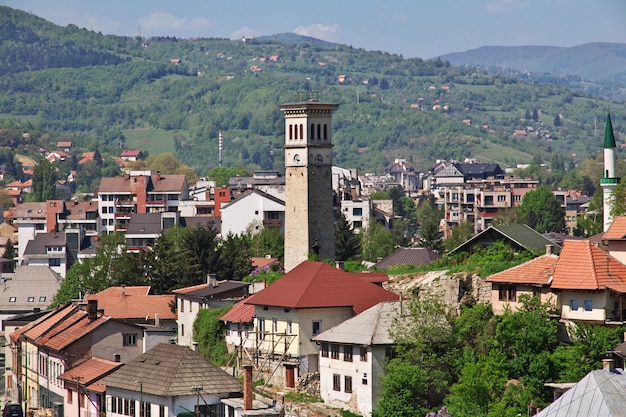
347, 243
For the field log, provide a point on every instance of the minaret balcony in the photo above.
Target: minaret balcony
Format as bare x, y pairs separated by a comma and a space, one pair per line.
609, 181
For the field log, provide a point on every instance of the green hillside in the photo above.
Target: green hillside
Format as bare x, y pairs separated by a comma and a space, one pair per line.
111, 90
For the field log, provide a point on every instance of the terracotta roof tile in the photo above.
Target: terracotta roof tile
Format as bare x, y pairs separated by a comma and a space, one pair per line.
536, 271
239, 313
133, 303
583, 266
617, 229
90, 371
317, 284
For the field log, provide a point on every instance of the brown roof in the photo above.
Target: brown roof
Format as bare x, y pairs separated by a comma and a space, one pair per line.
161, 183
317, 285
261, 262
133, 303
411, 256
169, 370
64, 144
239, 313
583, 266
168, 182
89, 372
30, 209
79, 210
537, 271
617, 229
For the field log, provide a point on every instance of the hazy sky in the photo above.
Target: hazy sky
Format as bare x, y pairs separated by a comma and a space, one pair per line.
413, 28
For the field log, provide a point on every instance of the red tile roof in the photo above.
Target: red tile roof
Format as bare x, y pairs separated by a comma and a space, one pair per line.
89, 372
134, 303
617, 229
130, 153
536, 271
583, 266
239, 313
261, 262
318, 285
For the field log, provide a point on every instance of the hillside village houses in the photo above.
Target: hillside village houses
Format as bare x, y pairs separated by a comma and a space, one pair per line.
59, 359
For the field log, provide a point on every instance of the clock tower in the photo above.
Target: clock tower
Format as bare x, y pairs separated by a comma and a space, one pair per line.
309, 219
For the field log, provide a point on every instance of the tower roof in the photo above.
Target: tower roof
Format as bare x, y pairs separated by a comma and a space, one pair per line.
609, 139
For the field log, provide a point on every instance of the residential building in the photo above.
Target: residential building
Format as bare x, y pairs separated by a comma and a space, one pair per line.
590, 284
213, 294
404, 174
31, 218
61, 340
309, 220
615, 239
519, 236
358, 213
270, 182
532, 278
408, 256
352, 357
49, 250
251, 212
307, 300
131, 155
239, 321
28, 289
138, 192
168, 380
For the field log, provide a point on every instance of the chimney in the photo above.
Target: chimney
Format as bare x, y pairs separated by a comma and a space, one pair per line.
194, 346
608, 364
123, 290
549, 249
92, 310
339, 265
247, 387
212, 280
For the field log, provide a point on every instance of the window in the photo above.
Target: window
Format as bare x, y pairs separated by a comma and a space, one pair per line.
347, 353
39, 226
517, 198
588, 304
31, 299
336, 382
111, 222
289, 327
390, 353
130, 339
573, 305
12, 299
54, 262
488, 200
161, 411
144, 409
357, 224
70, 395
317, 328
182, 306
347, 384
104, 222
507, 293
501, 198
104, 210
357, 211
172, 197
182, 330
363, 354
111, 210
275, 325
324, 350
334, 351
261, 326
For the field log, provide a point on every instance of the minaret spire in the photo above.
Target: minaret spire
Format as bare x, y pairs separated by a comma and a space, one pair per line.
609, 179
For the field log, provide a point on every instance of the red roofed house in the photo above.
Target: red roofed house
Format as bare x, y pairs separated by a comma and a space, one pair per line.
239, 326
131, 155
615, 239
311, 298
62, 340
590, 284
65, 146
532, 278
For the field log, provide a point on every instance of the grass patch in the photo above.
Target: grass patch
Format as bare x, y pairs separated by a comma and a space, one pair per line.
301, 397
154, 141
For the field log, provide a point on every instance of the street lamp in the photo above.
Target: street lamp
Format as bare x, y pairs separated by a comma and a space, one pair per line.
197, 389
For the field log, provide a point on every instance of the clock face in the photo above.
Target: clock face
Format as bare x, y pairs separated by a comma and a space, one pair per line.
319, 159
296, 159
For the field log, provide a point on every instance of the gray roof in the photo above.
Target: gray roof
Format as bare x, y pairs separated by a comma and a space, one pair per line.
599, 394
371, 327
37, 246
171, 371
411, 256
33, 286
144, 223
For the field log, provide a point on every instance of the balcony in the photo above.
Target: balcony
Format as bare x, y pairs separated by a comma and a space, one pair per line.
158, 203
124, 202
123, 214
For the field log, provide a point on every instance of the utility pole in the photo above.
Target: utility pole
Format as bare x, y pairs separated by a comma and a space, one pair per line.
197, 389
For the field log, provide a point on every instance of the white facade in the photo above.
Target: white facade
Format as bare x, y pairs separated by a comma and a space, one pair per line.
586, 305
255, 209
357, 213
187, 312
157, 405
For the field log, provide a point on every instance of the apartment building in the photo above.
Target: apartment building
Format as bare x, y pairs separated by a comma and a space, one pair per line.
138, 192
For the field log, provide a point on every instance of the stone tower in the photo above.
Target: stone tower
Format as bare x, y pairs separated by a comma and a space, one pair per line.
609, 179
309, 223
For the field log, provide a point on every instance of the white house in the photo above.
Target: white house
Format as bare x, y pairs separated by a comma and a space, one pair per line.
351, 358
254, 209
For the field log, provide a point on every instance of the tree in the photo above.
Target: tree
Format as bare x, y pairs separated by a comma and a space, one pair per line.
347, 243
234, 258
44, 182
430, 236
376, 242
269, 241
9, 251
209, 331
541, 211
222, 175
459, 234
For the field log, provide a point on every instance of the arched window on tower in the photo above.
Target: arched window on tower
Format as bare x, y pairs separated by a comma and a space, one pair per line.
325, 131
312, 131
301, 131
290, 132
319, 127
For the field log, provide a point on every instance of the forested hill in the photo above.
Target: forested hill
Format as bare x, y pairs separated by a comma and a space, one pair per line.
107, 90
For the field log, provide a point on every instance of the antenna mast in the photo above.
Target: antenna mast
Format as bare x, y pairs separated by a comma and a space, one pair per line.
220, 147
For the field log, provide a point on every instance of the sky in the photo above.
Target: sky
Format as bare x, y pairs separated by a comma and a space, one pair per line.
413, 28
